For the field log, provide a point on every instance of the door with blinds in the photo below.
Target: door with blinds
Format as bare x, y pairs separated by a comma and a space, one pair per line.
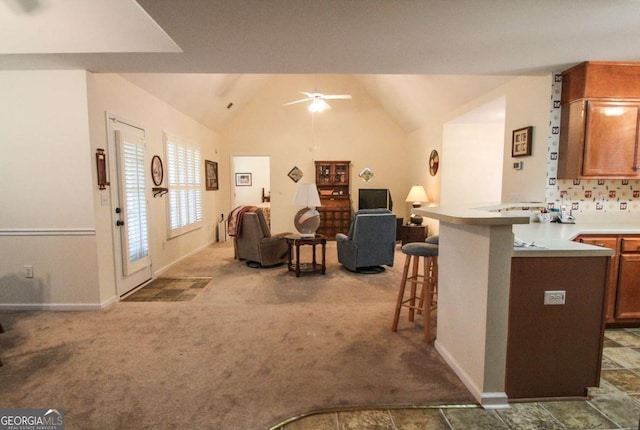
129, 205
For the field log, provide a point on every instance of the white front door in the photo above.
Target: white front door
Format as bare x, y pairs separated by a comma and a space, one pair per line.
133, 265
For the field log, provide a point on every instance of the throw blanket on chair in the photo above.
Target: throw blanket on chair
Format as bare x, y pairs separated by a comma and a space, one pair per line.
234, 223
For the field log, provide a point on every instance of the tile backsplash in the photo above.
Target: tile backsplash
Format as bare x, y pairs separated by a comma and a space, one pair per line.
584, 195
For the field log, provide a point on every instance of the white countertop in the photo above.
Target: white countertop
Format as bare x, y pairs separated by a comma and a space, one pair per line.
557, 238
548, 239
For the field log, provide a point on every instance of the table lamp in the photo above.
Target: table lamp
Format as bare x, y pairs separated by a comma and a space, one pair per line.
416, 196
307, 220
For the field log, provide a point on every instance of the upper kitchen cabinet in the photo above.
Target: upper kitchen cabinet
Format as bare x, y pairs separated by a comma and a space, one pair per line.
600, 122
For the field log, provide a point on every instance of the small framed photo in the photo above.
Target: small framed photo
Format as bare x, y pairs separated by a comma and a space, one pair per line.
243, 179
521, 142
211, 173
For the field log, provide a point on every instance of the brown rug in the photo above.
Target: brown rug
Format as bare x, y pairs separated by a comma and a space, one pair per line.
259, 347
167, 289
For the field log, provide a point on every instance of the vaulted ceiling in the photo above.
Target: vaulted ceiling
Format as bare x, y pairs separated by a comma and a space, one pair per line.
227, 47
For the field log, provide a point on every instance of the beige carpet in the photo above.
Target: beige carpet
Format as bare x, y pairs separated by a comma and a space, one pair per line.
254, 347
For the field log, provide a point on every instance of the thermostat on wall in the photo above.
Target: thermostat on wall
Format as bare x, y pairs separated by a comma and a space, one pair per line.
517, 165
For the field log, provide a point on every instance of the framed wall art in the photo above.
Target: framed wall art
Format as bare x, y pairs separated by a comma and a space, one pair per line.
434, 162
521, 142
295, 174
157, 171
211, 174
243, 179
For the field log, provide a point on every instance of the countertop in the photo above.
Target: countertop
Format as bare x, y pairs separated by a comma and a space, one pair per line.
541, 239
557, 239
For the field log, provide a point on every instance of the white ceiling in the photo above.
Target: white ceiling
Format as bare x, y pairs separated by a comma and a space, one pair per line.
233, 38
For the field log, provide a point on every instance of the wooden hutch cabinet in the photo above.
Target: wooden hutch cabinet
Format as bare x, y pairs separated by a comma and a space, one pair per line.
332, 180
623, 279
600, 121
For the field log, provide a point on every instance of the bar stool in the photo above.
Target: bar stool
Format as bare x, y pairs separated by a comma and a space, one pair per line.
427, 299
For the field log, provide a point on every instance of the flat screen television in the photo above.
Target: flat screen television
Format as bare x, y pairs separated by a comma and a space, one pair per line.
374, 198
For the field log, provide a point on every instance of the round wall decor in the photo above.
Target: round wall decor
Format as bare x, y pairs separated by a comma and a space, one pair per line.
434, 162
157, 171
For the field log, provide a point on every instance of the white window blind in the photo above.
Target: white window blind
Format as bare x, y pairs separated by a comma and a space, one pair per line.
185, 190
130, 149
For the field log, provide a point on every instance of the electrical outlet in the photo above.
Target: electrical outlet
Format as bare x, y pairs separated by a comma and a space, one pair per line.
28, 271
555, 297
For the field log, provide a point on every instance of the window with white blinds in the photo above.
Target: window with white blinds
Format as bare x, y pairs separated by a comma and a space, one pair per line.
136, 211
185, 188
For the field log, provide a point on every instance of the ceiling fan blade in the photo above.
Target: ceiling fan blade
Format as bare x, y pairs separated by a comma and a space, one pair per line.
297, 101
337, 97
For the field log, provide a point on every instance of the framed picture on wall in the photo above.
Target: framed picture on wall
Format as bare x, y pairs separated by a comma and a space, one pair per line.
521, 142
211, 173
243, 179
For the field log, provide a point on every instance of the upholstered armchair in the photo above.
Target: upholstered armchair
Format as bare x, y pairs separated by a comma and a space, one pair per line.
371, 241
256, 244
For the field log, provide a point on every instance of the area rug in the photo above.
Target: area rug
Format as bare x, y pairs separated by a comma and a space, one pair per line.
177, 289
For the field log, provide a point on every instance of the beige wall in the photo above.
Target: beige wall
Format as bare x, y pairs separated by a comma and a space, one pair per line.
358, 130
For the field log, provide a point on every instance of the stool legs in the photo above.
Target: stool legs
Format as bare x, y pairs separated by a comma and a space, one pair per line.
426, 301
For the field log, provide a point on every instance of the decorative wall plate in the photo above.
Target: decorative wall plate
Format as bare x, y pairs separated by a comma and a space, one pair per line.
366, 175
434, 162
295, 174
157, 171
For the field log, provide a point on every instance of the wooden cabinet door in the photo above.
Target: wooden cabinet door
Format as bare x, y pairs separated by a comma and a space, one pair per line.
611, 139
628, 297
610, 242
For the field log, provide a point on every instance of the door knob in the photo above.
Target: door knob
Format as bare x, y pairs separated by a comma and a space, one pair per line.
119, 223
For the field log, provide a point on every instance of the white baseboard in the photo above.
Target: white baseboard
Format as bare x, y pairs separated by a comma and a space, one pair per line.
51, 307
488, 400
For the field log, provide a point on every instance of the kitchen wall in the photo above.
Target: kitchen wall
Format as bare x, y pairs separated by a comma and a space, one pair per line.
584, 196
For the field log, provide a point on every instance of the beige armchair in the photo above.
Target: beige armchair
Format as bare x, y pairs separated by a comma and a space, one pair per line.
257, 245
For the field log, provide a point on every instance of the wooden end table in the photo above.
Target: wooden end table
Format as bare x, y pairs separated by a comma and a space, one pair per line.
295, 240
413, 233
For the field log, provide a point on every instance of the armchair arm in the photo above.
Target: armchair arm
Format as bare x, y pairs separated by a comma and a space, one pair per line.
347, 251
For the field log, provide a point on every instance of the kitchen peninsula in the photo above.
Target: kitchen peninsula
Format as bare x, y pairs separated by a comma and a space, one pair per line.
488, 303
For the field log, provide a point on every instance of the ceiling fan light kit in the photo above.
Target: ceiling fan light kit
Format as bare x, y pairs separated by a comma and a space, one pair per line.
319, 100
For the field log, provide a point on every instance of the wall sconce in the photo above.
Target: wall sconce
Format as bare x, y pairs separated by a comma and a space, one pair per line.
101, 164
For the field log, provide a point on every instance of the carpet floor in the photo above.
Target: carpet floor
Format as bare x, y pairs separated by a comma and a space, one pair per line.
254, 347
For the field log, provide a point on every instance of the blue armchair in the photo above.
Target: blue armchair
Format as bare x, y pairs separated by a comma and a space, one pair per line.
371, 241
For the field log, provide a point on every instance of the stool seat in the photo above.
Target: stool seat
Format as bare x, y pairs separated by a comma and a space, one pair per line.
433, 239
420, 249
426, 299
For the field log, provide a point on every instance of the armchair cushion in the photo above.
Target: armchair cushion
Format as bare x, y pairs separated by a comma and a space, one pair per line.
371, 240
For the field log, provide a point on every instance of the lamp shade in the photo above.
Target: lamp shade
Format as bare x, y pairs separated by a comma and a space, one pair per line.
307, 195
417, 194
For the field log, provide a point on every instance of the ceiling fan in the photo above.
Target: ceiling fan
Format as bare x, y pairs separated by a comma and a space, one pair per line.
318, 100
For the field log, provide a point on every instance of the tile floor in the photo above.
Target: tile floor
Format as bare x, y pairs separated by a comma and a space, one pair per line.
613, 405
169, 290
